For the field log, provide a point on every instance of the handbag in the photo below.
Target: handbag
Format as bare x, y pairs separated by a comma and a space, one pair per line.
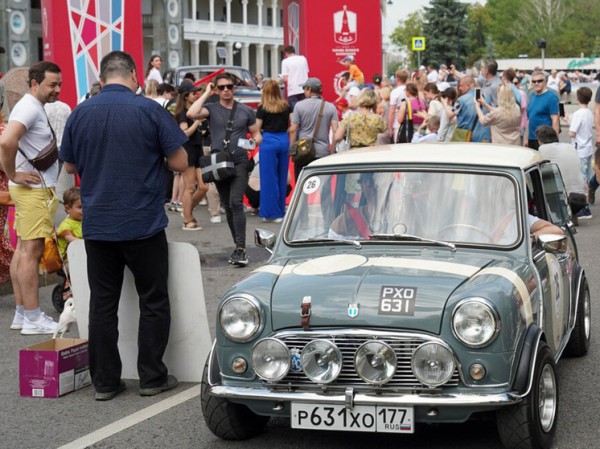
47, 156
406, 131
303, 151
218, 166
344, 144
51, 261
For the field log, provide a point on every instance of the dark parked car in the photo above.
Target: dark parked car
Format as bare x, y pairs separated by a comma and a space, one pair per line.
406, 288
246, 91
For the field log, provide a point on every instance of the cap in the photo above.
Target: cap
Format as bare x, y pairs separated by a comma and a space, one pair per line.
422, 68
348, 58
187, 87
313, 84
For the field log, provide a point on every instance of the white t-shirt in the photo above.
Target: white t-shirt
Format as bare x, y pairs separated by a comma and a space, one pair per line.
155, 75
29, 111
582, 124
432, 77
396, 97
295, 67
553, 82
567, 159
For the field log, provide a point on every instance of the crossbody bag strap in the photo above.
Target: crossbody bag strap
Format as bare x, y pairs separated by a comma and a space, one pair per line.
319, 117
53, 138
229, 128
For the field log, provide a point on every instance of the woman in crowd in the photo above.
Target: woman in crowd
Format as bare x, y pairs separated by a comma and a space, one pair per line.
153, 69
505, 120
447, 120
432, 97
408, 113
272, 117
365, 125
383, 109
151, 89
192, 176
6, 249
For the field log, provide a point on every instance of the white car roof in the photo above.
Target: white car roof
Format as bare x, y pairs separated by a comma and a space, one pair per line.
479, 154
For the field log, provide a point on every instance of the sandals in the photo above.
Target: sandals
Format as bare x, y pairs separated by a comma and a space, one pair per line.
191, 225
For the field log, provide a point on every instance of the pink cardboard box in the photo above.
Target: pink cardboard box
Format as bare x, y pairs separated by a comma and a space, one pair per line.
54, 367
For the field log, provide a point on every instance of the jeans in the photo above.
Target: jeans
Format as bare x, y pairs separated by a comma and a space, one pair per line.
148, 261
231, 192
273, 168
592, 183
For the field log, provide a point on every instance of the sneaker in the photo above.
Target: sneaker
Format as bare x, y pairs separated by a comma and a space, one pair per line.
45, 325
215, 219
592, 196
238, 257
584, 214
17, 323
168, 385
108, 395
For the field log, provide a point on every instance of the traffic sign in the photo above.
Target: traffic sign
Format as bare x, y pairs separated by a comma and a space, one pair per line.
418, 43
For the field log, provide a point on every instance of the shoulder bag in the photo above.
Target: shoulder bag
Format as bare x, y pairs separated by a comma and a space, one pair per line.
46, 157
218, 166
303, 151
344, 144
406, 131
462, 134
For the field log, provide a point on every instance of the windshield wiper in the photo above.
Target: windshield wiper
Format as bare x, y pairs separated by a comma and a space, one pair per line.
354, 243
414, 238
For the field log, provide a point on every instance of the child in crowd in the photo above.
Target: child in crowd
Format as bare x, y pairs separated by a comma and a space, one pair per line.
70, 227
357, 78
430, 124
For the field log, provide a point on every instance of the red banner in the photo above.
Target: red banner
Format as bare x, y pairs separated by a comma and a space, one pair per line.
78, 34
327, 31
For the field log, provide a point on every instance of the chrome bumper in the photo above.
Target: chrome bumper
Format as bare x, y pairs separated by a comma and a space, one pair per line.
351, 398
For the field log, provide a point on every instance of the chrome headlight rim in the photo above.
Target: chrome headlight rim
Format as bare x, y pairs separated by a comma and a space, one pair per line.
360, 374
277, 378
338, 353
493, 312
452, 356
260, 312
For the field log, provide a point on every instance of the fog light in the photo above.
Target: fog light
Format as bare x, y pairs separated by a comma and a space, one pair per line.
321, 361
477, 371
375, 362
239, 365
433, 364
271, 359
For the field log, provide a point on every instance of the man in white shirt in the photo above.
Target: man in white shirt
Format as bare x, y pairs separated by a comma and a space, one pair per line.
27, 134
294, 70
396, 97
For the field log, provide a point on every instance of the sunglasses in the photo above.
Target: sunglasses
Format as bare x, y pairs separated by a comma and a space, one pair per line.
224, 86
537, 81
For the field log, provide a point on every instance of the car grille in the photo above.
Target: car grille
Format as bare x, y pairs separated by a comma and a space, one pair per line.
403, 346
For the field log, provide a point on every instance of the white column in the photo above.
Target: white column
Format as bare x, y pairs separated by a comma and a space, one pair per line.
275, 15
229, 46
260, 58
195, 51
259, 5
212, 12
194, 10
212, 53
228, 2
246, 55
274, 61
245, 12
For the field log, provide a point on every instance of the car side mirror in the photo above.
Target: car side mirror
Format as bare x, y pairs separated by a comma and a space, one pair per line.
264, 239
552, 243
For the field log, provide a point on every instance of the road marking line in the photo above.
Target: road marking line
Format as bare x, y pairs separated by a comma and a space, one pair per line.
132, 419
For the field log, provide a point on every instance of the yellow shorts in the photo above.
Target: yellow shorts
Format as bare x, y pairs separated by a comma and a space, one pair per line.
35, 211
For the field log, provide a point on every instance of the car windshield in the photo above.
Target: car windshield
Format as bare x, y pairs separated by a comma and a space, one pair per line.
442, 207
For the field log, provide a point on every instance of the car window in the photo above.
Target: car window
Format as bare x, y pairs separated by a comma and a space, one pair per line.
555, 194
458, 207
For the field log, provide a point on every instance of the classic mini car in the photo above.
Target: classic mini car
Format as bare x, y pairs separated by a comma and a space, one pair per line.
407, 288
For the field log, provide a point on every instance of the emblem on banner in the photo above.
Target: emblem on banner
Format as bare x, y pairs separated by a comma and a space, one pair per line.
353, 310
345, 27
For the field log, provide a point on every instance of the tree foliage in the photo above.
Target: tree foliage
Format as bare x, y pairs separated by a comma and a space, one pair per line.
405, 31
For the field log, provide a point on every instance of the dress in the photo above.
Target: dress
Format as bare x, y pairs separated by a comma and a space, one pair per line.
364, 128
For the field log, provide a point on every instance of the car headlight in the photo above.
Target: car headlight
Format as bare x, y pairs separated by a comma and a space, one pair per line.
321, 361
375, 362
271, 359
475, 322
240, 317
433, 364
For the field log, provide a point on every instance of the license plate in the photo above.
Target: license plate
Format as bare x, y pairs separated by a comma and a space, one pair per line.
362, 418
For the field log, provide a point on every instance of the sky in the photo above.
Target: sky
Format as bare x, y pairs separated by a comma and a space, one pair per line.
400, 9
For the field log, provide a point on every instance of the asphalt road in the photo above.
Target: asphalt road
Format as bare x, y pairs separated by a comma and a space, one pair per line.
174, 419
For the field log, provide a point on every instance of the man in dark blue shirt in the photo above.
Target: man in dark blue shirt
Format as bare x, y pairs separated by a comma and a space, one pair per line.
117, 142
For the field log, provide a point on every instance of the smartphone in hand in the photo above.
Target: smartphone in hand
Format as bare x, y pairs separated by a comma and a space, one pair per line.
478, 94
561, 109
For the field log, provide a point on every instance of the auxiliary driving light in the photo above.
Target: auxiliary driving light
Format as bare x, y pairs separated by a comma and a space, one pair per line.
271, 359
375, 362
321, 361
433, 364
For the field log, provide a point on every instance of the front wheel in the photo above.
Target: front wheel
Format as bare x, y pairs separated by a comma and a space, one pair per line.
532, 423
226, 419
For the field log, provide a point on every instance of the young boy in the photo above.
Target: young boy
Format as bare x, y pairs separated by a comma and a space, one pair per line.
581, 132
70, 227
432, 124
356, 75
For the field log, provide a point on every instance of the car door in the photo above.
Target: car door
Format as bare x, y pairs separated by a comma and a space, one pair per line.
555, 268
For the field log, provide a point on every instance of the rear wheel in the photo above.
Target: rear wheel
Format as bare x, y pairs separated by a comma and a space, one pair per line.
226, 419
579, 343
532, 423
57, 298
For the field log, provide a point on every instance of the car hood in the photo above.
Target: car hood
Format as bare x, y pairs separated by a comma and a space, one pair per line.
345, 290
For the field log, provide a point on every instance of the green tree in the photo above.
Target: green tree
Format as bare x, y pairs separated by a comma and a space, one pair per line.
402, 35
446, 29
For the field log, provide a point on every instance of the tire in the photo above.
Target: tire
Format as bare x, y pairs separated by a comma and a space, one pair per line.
226, 419
522, 426
57, 298
579, 343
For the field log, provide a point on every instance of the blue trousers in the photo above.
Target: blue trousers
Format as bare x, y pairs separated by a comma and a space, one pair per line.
273, 166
